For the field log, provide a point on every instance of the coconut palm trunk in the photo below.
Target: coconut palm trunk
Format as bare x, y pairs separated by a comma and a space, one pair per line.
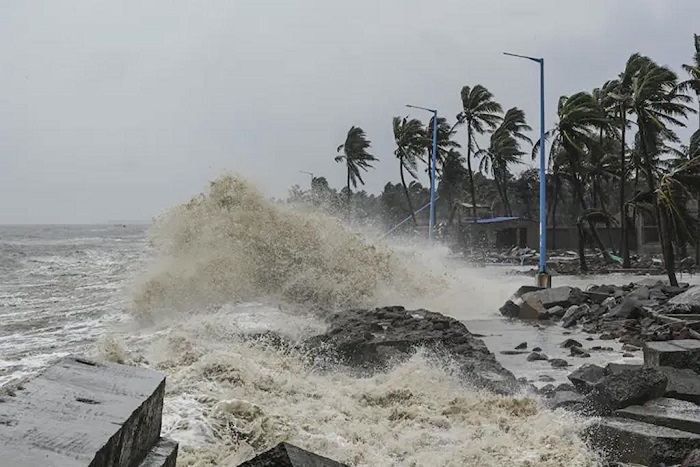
624, 240
472, 189
408, 197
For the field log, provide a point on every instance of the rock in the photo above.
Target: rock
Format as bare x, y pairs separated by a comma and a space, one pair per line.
556, 312
690, 297
671, 413
562, 296
565, 400
558, 363
566, 387
631, 348
640, 293
682, 384
570, 343
589, 338
617, 368
81, 412
621, 390
526, 289
693, 459
513, 352
535, 356
596, 297
531, 308
546, 390
546, 379
521, 346
574, 314
586, 377
624, 440
510, 309
288, 455
537, 349
628, 355
630, 308
371, 340
579, 352
677, 354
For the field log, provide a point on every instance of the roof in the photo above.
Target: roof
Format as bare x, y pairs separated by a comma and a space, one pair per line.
478, 206
494, 220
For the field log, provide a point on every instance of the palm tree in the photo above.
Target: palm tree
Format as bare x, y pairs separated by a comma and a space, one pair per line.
445, 143
657, 102
356, 158
409, 136
479, 113
573, 140
694, 84
504, 150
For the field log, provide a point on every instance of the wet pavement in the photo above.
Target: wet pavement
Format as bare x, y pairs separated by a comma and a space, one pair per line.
501, 334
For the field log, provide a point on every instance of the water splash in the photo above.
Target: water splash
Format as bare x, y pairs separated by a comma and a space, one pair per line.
231, 244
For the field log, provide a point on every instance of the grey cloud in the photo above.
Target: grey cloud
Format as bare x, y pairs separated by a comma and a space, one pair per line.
120, 109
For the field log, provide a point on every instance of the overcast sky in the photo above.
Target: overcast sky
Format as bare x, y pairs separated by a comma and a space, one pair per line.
119, 109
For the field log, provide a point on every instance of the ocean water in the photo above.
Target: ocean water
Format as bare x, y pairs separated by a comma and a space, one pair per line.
180, 295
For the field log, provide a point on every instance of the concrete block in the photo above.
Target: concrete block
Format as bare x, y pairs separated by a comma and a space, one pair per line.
677, 354
682, 384
81, 413
163, 454
624, 440
671, 413
288, 455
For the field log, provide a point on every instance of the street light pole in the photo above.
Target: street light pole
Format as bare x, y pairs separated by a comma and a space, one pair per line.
431, 222
543, 278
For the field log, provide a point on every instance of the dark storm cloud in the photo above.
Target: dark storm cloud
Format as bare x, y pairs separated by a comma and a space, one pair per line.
119, 109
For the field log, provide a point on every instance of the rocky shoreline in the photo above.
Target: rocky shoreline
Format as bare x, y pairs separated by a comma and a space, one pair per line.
638, 414
650, 413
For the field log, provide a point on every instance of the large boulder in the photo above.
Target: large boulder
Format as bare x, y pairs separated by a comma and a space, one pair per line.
586, 377
371, 340
561, 296
531, 308
627, 388
690, 297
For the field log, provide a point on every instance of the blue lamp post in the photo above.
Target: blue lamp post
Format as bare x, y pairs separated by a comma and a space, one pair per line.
431, 222
543, 278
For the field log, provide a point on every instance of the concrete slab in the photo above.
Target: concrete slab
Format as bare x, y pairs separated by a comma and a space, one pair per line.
163, 454
288, 455
624, 440
81, 413
677, 354
671, 413
682, 384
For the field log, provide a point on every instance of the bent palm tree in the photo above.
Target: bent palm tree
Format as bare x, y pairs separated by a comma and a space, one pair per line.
573, 140
356, 158
694, 84
504, 151
479, 113
657, 102
409, 138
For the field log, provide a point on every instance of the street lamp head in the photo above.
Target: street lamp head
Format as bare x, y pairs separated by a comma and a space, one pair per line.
534, 59
421, 108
